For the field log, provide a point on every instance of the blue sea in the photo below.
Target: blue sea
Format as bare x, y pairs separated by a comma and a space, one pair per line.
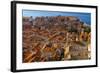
85, 17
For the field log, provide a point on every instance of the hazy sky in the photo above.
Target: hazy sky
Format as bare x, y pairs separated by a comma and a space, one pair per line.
85, 17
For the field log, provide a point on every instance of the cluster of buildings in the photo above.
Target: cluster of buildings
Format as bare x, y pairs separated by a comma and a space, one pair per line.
55, 38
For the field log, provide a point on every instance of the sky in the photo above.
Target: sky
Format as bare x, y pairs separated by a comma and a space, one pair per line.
85, 17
